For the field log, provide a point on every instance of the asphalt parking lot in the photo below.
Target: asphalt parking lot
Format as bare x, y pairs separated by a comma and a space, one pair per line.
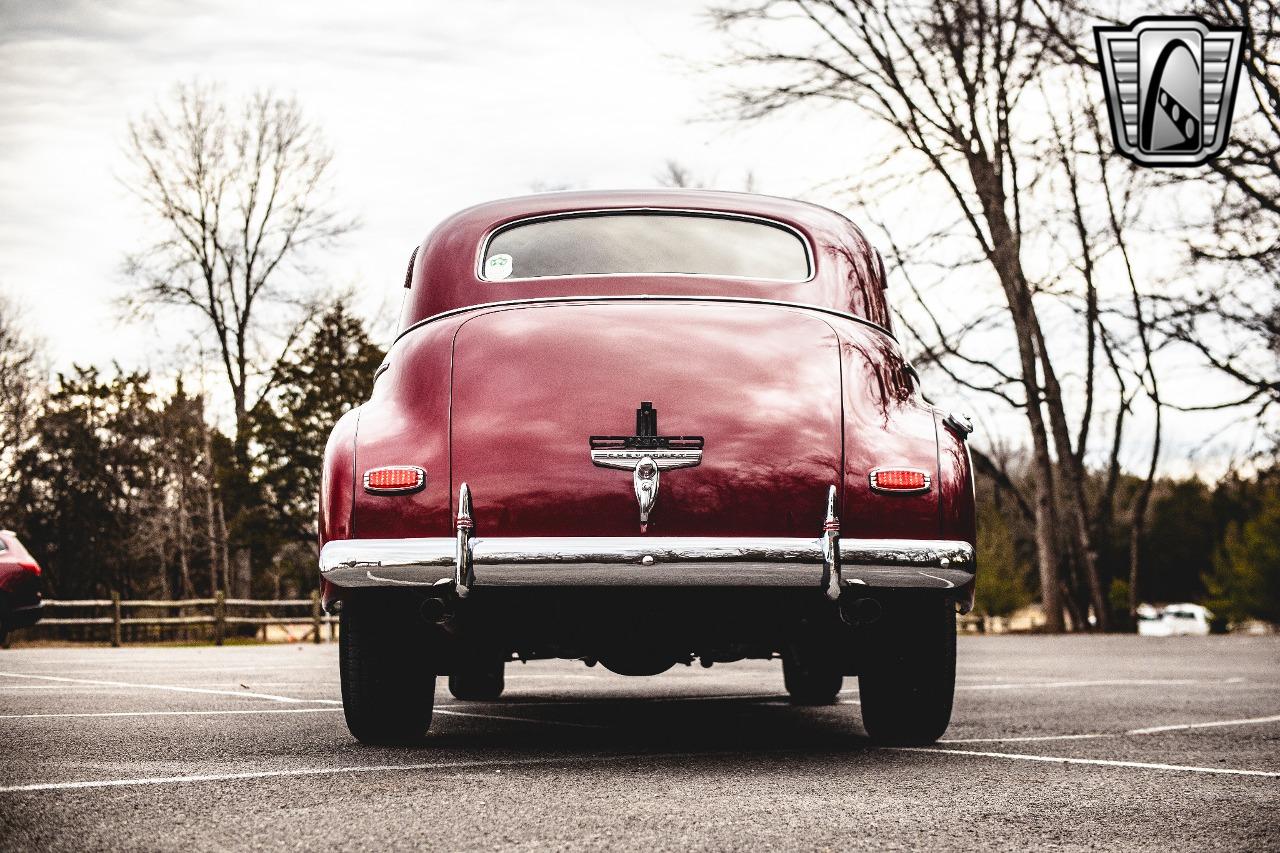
1068, 742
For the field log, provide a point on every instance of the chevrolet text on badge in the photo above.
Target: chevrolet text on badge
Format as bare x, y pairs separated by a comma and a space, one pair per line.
1171, 84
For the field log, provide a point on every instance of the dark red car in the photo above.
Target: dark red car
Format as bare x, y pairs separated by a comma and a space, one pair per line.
643, 429
20, 603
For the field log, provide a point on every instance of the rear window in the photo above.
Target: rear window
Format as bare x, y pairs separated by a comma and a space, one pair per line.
642, 242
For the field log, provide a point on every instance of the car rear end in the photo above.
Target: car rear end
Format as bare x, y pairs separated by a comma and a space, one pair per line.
643, 481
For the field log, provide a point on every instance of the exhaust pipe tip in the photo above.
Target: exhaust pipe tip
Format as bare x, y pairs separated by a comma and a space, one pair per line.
436, 610
861, 611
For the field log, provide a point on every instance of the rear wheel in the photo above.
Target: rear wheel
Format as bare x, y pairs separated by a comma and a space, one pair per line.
386, 658
907, 688
478, 681
811, 680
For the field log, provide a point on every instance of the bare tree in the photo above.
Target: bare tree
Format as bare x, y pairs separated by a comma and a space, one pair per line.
240, 197
967, 90
21, 381
1229, 313
1233, 320
677, 175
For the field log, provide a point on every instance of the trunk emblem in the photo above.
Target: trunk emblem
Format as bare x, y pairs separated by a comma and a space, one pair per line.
646, 454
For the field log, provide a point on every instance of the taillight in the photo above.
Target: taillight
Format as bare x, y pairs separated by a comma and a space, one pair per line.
394, 479
900, 480
30, 565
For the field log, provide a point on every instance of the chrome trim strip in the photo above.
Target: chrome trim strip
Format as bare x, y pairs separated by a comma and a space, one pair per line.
708, 213
632, 550
642, 297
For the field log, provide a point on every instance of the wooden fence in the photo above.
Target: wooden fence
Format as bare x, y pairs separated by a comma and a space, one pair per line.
220, 617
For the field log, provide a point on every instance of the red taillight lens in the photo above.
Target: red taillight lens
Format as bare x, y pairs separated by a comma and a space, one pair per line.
394, 479
899, 480
30, 565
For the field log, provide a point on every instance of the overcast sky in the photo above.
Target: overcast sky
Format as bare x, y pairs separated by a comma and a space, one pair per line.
429, 107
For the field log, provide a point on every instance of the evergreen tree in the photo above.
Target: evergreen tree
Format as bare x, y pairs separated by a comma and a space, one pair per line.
1245, 582
332, 372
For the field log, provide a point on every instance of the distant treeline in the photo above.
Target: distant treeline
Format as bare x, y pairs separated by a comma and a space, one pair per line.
1212, 543
116, 485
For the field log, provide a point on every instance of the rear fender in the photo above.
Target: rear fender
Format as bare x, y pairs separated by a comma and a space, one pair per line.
337, 479
885, 425
406, 422
337, 488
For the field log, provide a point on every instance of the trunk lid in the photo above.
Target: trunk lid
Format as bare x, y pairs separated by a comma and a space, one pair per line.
759, 383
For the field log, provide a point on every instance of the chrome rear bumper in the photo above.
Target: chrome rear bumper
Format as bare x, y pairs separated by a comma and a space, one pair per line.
829, 562
647, 561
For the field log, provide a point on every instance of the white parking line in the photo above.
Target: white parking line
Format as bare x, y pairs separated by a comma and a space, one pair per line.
1210, 725
4, 687
570, 760
245, 711
253, 711
330, 771
239, 693
1106, 682
1028, 739
243, 694
1176, 727
231, 668
1098, 762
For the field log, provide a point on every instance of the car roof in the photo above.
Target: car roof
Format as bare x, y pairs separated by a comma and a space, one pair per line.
847, 277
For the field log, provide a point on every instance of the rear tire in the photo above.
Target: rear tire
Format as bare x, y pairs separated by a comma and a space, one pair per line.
811, 680
478, 681
908, 688
386, 659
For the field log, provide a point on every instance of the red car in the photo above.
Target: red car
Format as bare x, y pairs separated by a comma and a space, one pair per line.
20, 603
643, 429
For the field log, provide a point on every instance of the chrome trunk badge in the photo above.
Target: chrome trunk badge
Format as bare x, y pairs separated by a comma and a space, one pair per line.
646, 454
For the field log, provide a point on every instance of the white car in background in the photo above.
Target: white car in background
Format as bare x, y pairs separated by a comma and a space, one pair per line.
1174, 620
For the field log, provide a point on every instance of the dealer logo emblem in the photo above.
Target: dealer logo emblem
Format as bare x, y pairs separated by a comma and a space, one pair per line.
1171, 85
